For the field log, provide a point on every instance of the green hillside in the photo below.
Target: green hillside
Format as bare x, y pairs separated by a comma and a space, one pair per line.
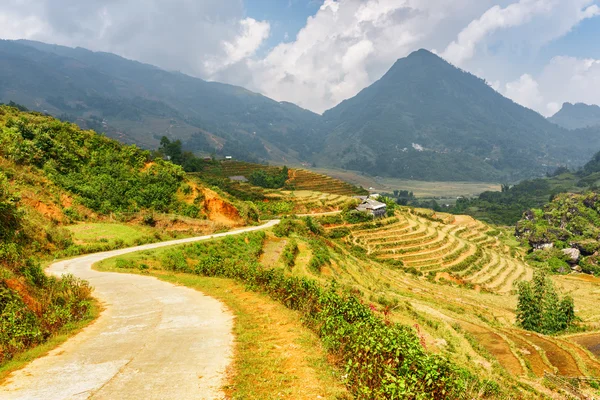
507, 207
61, 190
425, 119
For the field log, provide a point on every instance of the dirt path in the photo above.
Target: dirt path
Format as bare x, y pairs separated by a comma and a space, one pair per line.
154, 340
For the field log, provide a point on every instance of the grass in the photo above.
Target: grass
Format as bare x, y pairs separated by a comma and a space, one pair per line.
67, 331
91, 233
275, 357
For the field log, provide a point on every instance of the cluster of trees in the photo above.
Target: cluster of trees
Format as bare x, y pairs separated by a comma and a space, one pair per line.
541, 309
269, 180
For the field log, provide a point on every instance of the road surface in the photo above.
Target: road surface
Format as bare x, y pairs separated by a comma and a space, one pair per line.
154, 340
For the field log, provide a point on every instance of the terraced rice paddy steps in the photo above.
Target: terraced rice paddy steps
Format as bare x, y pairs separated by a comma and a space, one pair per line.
299, 179
465, 248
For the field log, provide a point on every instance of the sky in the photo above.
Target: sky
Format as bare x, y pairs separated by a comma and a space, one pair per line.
316, 53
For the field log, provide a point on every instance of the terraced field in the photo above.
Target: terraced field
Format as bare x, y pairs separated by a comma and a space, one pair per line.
464, 303
461, 247
299, 179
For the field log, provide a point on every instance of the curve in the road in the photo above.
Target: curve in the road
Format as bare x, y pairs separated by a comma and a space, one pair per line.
154, 340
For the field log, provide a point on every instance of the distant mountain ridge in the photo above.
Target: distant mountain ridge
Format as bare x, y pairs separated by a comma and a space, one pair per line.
139, 103
424, 119
576, 116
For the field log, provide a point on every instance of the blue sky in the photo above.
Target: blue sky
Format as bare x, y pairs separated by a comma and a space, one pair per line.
582, 42
286, 17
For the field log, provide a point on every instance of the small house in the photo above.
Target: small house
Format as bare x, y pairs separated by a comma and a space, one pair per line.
238, 178
375, 208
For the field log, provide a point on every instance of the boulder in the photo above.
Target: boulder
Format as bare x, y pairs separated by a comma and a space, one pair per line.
573, 254
543, 246
576, 268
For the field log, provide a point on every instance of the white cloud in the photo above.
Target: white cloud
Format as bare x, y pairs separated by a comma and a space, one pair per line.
173, 34
525, 91
495, 18
563, 79
252, 34
349, 44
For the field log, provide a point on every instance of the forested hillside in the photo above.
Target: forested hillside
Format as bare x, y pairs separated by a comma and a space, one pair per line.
507, 207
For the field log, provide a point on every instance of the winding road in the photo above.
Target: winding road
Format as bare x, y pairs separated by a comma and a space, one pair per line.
154, 340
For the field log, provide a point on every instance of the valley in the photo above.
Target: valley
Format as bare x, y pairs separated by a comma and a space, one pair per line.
164, 236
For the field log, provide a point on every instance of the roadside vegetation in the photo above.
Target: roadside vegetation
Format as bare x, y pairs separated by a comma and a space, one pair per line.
65, 192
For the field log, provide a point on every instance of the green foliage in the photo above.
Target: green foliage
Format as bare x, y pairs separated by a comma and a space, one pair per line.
569, 220
289, 253
105, 175
390, 203
313, 226
356, 217
540, 309
337, 233
382, 359
64, 300
320, 255
287, 226
269, 180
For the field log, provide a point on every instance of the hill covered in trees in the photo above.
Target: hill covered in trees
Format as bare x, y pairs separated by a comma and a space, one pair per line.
426, 119
507, 206
52, 174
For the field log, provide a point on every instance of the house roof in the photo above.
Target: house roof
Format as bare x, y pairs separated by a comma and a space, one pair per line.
371, 204
238, 178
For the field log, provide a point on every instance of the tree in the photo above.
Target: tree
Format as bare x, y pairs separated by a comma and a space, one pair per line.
172, 150
540, 308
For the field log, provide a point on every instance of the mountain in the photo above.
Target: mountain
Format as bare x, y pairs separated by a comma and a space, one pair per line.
139, 103
426, 119
575, 116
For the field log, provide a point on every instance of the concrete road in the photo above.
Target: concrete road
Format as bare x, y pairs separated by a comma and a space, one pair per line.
154, 340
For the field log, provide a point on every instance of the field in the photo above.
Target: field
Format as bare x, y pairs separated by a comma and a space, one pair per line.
421, 189
299, 179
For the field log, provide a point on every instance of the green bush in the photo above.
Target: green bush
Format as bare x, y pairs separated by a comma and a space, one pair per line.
289, 254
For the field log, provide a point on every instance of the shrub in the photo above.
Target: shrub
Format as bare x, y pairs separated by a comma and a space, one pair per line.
289, 254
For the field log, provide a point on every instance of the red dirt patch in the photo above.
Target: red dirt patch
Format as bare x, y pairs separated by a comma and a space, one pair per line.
219, 210
23, 292
51, 211
496, 346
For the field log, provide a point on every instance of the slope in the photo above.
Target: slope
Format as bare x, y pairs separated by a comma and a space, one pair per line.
575, 116
53, 174
139, 103
425, 119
